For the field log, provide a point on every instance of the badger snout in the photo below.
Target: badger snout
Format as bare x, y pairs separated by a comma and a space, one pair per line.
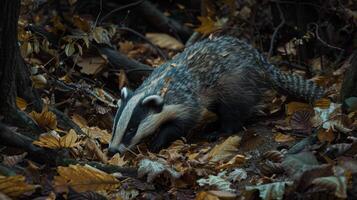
116, 149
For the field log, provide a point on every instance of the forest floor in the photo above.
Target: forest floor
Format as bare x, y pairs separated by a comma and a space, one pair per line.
82, 53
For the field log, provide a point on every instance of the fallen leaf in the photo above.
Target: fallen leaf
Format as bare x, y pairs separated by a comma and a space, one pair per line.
69, 140
79, 120
52, 140
91, 65
81, 23
84, 178
21, 103
46, 119
280, 137
326, 135
336, 184
271, 191
296, 106
225, 150
95, 149
96, 133
234, 162
163, 40
13, 160
118, 160
322, 103
15, 186
207, 25
217, 181
153, 169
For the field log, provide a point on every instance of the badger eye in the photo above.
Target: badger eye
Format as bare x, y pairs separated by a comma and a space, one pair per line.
131, 129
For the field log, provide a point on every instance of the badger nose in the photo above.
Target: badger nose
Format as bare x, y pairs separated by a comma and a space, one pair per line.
116, 149
112, 151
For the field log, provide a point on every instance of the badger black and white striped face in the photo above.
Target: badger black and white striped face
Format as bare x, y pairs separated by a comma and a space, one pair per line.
138, 116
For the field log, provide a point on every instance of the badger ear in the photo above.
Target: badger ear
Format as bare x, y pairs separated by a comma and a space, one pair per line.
125, 92
155, 102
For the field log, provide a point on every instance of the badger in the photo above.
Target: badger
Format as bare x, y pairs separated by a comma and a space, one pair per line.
222, 74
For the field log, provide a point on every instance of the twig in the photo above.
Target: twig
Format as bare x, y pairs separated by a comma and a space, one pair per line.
322, 41
146, 40
121, 8
100, 12
276, 30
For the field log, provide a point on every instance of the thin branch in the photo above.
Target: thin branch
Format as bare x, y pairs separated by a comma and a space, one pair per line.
276, 30
121, 8
322, 41
100, 12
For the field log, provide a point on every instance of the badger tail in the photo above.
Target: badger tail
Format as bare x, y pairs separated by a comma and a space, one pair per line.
295, 85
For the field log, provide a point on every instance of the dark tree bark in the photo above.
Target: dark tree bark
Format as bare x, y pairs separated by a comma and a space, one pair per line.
14, 74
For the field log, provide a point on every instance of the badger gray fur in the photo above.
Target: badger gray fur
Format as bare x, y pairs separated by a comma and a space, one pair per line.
222, 74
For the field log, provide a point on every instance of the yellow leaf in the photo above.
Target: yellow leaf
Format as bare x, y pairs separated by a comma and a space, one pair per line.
15, 186
322, 103
296, 106
326, 135
49, 140
21, 103
117, 160
84, 178
69, 140
165, 41
207, 25
279, 137
225, 150
46, 119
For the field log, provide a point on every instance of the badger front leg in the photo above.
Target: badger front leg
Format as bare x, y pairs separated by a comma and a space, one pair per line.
167, 133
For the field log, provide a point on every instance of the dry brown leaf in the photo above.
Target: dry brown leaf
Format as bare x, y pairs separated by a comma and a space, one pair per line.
215, 195
21, 103
79, 120
163, 40
279, 137
322, 103
91, 65
69, 140
225, 150
300, 121
207, 25
49, 140
52, 140
96, 133
234, 162
95, 149
15, 186
84, 178
13, 160
296, 106
46, 119
326, 135
117, 160
81, 23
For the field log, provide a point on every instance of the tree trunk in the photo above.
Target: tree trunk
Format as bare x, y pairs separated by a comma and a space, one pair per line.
14, 74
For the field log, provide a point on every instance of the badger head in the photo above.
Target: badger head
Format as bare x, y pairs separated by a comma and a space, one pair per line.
138, 116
